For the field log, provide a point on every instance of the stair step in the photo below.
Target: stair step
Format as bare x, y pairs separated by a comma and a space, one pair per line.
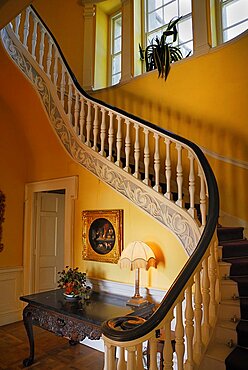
234, 250
229, 288
229, 309
229, 233
242, 330
215, 357
237, 359
224, 269
226, 332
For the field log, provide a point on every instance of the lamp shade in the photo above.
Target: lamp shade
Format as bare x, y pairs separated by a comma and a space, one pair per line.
137, 255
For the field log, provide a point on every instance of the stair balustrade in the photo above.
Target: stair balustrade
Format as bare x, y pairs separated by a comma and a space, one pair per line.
165, 175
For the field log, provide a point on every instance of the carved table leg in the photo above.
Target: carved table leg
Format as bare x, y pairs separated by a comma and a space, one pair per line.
27, 319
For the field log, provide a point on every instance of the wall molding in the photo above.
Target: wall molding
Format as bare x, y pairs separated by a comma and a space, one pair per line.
235, 162
11, 283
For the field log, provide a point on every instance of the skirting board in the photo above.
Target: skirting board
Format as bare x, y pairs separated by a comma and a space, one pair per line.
11, 286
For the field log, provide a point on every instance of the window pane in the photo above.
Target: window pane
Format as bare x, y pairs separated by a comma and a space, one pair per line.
184, 7
170, 11
117, 45
185, 30
235, 12
155, 19
154, 4
116, 64
117, 27
234, 31
186, 48
116, 78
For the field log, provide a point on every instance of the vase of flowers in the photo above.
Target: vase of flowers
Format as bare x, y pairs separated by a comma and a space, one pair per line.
74, 283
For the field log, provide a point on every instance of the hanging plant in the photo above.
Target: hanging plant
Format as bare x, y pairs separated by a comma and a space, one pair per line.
160, 53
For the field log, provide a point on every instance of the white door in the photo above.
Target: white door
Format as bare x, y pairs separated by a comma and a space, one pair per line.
49, 240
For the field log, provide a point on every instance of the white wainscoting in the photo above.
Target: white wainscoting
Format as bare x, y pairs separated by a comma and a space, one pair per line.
11, 288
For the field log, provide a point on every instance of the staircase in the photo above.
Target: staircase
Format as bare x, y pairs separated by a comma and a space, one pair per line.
229, 347
135, 158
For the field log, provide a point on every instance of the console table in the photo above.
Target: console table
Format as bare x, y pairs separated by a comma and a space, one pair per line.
74, 320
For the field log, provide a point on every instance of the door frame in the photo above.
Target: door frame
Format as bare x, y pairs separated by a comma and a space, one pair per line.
70, 184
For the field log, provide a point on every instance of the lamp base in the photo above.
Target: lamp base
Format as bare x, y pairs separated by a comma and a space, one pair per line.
137, 301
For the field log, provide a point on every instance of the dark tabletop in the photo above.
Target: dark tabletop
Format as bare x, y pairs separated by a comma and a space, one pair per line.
100, 306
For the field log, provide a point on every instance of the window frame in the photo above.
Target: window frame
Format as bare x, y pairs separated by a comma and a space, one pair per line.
112, 18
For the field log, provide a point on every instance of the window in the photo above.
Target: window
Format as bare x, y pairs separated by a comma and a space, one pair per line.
158, 13
116, 48
234, 18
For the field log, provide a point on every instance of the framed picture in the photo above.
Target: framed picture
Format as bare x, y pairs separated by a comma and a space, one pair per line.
102, 235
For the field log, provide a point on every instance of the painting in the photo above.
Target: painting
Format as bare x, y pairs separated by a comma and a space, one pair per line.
102, 235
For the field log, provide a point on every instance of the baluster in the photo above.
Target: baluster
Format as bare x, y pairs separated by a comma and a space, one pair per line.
179, 336
156, 187
69, 114
131, 363
109, 359
168, 193
121, 364
82, 119
95, 128
191, 210
62, 86
88, 124
26, 28
189, 328
49, 56
55, 71
146, 158
139, 357
110, 136
136, 152
118, 142
179, 201
217, 283
152, 354
198, 348
127, 146
103, 132
34, 37
202, 197
205, 300
76, 113
212, 280
168, 351
17, 25
42, 46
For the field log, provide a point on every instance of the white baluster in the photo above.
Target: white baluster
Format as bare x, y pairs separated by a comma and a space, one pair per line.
179, 336
42, 46
205, 300
202, 197
55, 70
34, 37
146, 157
127, 146
121, 364
95, 128
17, 25
217, 284
191, 210
139, 357
69, 114
179, 201
118, 142
88, 124
109, 359
153, 354
212, 280
49, 56
110, 137
168, 351
76, 113
26, 28
198, 348
103, 132
189, 328
168, 193
82, 119
131, 363
62, 86
156, 187
136, 152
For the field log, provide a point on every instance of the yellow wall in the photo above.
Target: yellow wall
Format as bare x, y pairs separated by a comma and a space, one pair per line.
204, 99
101, 53
31, 152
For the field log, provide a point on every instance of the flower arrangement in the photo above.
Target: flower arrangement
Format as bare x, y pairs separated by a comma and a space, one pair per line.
73, 281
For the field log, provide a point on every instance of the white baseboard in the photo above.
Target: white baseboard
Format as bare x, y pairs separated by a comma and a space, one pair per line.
11, 287
226, 219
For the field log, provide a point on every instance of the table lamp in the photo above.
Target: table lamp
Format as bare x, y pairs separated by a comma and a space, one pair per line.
135, 256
